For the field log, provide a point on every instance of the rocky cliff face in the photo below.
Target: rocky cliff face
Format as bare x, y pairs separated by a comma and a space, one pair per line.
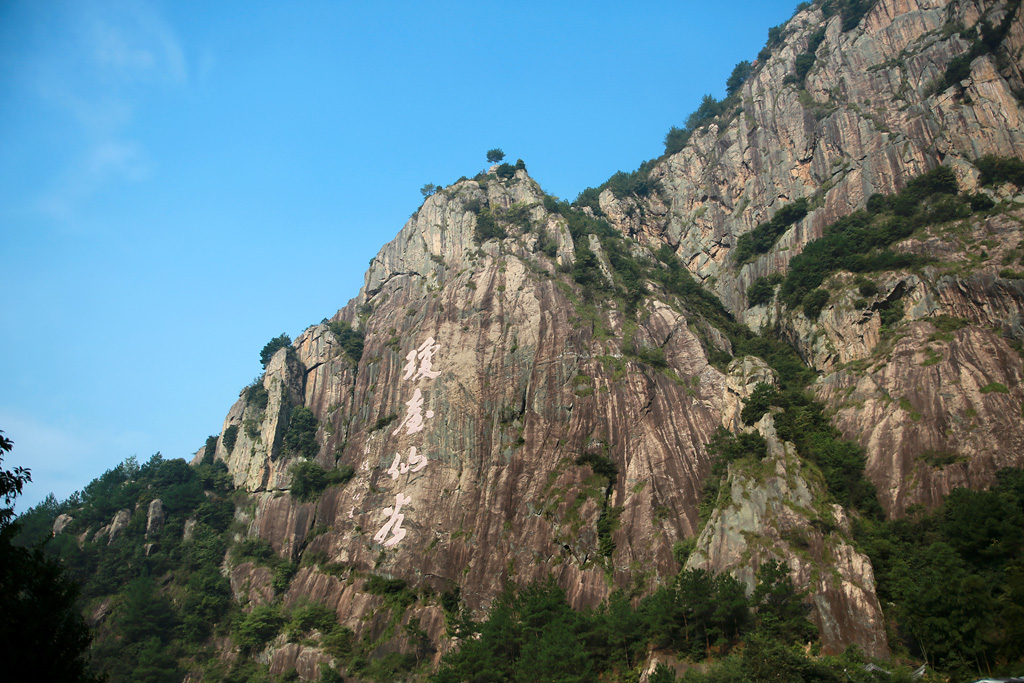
865, 119
497, 378
776, 507
503, 425
873, 112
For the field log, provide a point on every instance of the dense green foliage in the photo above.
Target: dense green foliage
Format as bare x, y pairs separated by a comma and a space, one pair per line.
301, 435
506, 171
532, 634
230, 436
758, 403
857, 242
309, 480
42, 633
994, 169
495, 155
146, 633
350, 339
256, 395
740, 73
487, 227
776, 34
765, 235
676, 139
167, 594
258, 627
851, 11
709, 108
955, 578
635, 183
762, 290
813, 302
281, 341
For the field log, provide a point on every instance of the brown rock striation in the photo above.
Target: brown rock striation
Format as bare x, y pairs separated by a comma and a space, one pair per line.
544, 412
866, 120
534, 388
871, 114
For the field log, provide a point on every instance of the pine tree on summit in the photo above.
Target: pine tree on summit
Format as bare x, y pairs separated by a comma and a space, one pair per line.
495, 155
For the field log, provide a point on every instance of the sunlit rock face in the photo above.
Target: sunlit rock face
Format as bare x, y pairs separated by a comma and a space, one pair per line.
485, 383
866, 120
870, 117
495, 383
496, 415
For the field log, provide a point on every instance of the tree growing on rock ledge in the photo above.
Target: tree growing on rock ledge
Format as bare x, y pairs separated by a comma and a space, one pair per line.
280, 342
495, 155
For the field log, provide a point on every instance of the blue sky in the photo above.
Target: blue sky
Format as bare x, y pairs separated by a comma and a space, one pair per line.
182, 181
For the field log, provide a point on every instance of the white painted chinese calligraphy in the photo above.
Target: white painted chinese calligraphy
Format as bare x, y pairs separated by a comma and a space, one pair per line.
394, 524
414, 464
425, 354
413, 421
419, 366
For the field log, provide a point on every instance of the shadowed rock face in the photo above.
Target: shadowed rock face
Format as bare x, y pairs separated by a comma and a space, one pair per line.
538, 415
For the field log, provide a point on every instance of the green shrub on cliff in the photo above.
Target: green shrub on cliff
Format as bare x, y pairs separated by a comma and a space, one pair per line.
813, 302
995, 169
955, 577
350, 339
282, 341
765, 235
301, 435
858, 242
506, 171
259, 627
230, 436
309, 480
762, 290
487, 228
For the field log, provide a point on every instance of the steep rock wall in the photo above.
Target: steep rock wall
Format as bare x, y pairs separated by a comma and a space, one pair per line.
527, 388
524, 375
869, 115
865, 121
777, 508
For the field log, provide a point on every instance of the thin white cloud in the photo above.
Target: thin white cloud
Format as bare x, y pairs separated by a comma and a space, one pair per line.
134, 41
113, 159
121, 53
112, 50
105, 162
